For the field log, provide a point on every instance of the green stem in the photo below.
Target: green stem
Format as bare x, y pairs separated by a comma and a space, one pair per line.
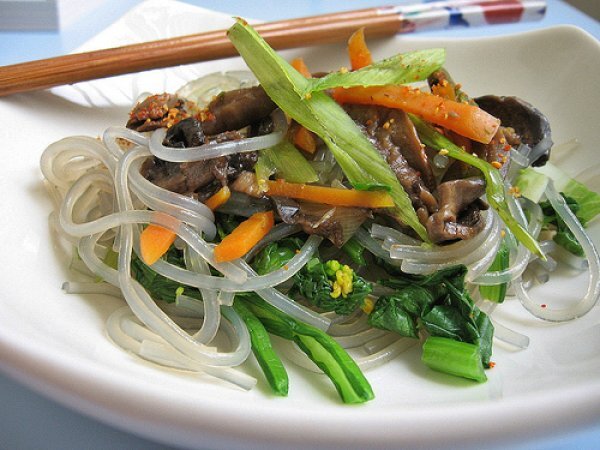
268, 360
497, 293
322, 349
453, 357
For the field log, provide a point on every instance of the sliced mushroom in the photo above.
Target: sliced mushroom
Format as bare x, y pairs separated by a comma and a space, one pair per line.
459, 214
233, 110
336, 223
529, 124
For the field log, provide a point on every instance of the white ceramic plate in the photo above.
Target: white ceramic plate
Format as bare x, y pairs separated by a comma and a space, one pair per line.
56, 343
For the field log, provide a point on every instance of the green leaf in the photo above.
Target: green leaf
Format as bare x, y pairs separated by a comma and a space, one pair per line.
486, 334
438, 302
264, 167
564, 236
359, 159
446, 321
355, 251
276, 255
400, 312
315, 283
399, 69
289, 163
588, 200
494, 184
158, 286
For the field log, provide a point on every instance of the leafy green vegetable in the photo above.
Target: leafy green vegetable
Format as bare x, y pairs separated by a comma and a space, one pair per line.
158, 286
268, 360
290, 164
264, 167
532, 183
226, 223
399, 69
494, 184
360, 161
323, 350
331, 286
439, 303
275, 255
355, 251
564, 236
260, 317
401, 311
456, 358
497, 293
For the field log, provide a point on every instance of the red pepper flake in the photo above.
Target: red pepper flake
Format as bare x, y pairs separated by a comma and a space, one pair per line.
543, 305
492, 364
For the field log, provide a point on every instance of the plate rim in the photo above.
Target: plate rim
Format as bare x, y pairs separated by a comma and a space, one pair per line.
22, 363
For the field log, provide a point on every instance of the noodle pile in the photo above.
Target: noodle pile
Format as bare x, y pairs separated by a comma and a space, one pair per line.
101, 202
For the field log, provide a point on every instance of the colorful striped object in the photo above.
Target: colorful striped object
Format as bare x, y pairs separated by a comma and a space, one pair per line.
465, 13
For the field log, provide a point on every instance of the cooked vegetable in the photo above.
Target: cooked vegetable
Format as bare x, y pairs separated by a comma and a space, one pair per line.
244, 237
275, 255
360, 161
219, 198
497, 293
305, 140
323, 350
494, 188
563, 235
532, 184
466, 120
262, 348
158, 286
300, 66
355, 251
439, 303
359, 53
402, 68
336, 169
154, 242
453, 357
330, 195
290, 164
331, 286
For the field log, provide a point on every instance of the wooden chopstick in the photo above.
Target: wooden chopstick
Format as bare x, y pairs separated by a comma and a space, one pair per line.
73, 68
282, 34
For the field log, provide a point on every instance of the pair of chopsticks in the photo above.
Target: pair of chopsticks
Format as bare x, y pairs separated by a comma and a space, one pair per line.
283, 34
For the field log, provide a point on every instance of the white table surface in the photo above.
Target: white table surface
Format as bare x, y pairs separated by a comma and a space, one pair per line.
31, 421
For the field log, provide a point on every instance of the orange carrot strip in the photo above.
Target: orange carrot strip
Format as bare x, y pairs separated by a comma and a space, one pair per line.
464, 119
305, 140
218, 198
444, 90
359, 53
245, 236
300, 66
329, 195
154, 242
